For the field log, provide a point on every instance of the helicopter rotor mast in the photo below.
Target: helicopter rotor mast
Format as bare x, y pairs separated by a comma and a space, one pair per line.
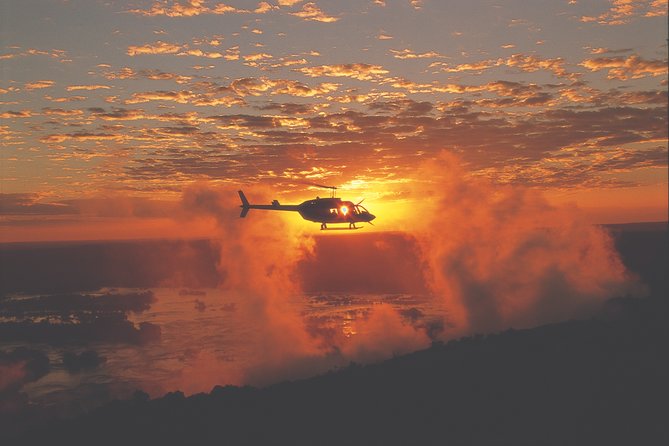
332, 188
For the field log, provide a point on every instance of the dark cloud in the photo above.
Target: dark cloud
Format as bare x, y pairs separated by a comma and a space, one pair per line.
288, 108
406, 107
183, 130
247, 121
78, 362
29, 204
116, 113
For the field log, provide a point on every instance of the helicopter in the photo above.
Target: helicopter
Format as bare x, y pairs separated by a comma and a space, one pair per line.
320, 210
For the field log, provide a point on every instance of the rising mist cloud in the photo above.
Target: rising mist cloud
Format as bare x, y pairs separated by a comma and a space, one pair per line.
494, 257
502, 256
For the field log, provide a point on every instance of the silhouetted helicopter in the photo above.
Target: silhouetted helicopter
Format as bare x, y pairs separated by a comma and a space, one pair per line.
320, 210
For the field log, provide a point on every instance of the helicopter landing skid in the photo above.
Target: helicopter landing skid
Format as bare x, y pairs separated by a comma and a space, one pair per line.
351, 227
341, 229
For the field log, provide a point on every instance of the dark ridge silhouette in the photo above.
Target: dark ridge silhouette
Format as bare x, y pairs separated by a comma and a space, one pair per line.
17, 368
71, 304
596, 381
87, 266
107, 328
644, 248
599, 381
77, 318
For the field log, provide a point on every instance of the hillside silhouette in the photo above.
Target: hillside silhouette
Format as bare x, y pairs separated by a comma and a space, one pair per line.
596, 381
599, 381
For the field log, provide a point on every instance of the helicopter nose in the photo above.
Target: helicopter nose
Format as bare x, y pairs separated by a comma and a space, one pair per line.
372, 217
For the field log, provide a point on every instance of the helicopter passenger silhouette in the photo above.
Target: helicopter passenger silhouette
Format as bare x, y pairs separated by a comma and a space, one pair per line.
321, 210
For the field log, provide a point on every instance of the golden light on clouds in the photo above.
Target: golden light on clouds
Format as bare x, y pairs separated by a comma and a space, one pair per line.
271, 92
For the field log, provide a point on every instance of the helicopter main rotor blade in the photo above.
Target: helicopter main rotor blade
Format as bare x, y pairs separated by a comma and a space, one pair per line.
321, 185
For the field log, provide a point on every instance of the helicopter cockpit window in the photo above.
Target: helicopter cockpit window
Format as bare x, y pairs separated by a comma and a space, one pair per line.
361, 210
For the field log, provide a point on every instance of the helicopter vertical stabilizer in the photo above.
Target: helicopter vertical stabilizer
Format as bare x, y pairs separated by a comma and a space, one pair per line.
245, 205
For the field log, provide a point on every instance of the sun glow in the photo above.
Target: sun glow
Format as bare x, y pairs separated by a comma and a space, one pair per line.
344, 210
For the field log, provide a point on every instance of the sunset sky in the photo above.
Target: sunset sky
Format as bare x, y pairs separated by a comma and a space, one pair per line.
110, 109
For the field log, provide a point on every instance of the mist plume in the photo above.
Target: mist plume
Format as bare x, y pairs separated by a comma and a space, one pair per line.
501, 256
495, 256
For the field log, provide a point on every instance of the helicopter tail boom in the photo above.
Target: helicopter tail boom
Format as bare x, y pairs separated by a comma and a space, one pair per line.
275, 206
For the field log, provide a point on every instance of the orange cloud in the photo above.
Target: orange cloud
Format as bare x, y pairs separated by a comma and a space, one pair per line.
161, 47
16, 114
38, 85
232, 53
263, 7
61, 112
311, 12
157, 75
623, 11
187, 97
257, 56
360, 71
189, 8
409, 54
299, 89
158, 47
81, 136
657, 8
182, 97
475, 66
57, 54
527, 63
434, 87
535, 63
120, 114
87, 87
632, 67
67, 99
200, 53
258, 86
